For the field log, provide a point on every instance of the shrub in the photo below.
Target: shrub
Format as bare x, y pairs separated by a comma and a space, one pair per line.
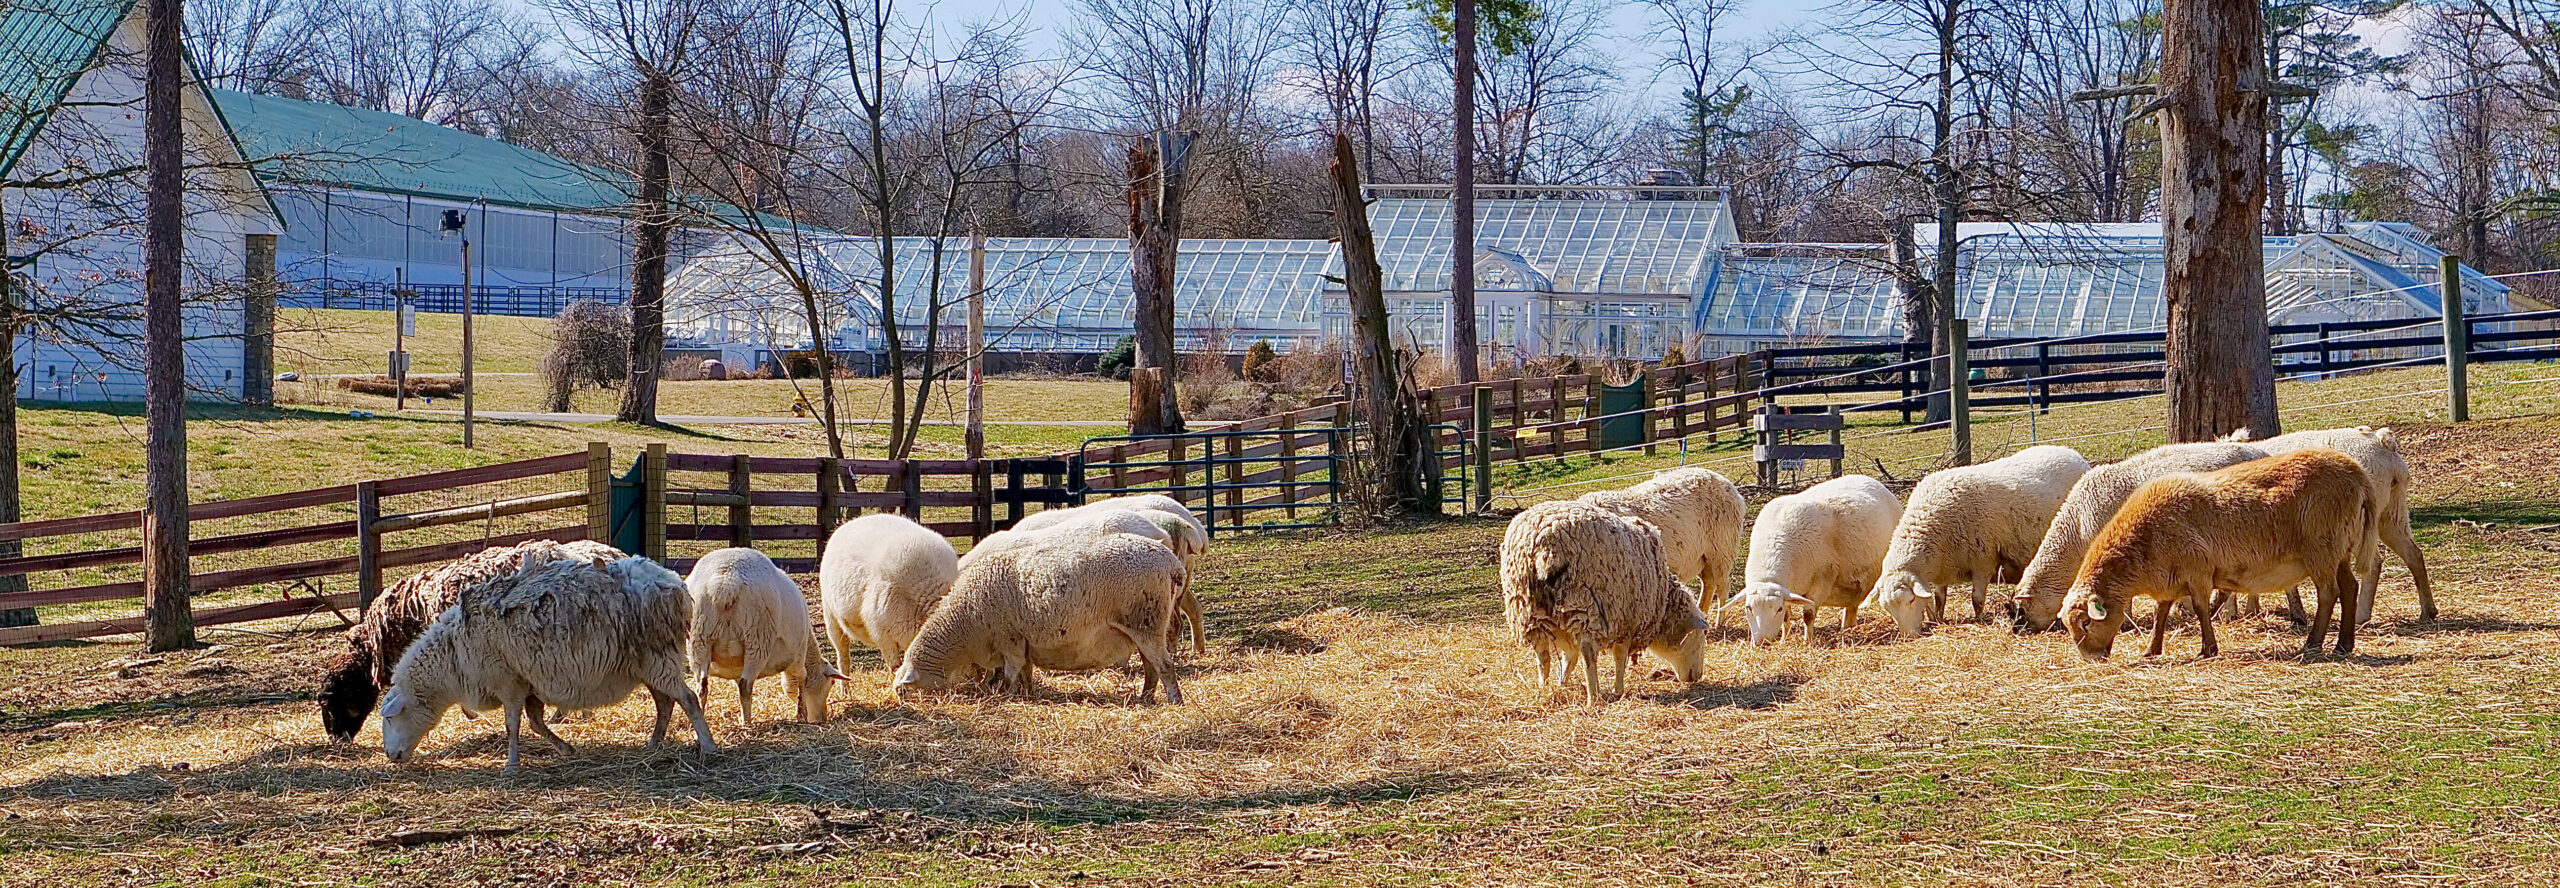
1257, 361
590, 348
1116, 362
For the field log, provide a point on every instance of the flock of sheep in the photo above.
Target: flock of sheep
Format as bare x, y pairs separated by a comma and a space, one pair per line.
579, 625
2181, 524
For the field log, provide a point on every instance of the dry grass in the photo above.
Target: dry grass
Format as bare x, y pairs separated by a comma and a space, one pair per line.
1360, 720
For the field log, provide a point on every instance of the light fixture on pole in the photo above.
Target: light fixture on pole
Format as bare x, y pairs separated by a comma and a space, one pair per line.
454, 225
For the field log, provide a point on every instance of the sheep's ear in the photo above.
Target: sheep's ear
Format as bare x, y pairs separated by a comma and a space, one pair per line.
1918, 591
2097, 608
1793, 598
394, 704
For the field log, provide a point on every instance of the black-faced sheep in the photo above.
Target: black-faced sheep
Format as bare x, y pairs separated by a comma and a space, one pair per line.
1067, 599
750, 621
2038, 600
2254, 527
1975, 524
1822, 547
353, 681
1576, 578
880, 577
577, 634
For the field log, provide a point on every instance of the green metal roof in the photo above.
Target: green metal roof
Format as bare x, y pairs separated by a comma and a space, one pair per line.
44, 47
332, 145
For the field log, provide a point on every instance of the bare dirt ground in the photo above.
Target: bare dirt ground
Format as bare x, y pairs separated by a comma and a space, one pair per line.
1360, 719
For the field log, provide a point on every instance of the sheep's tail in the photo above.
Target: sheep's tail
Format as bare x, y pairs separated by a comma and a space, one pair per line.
2238, 436
1547, 568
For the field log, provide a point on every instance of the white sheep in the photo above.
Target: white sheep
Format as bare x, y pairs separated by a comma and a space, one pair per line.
879, 578
1976, 524
2037, 603
2377, 451
1181, 529
1068, 599
1821, 547
2261, 525
575, 634
750, 621
1575, 577
1699, 514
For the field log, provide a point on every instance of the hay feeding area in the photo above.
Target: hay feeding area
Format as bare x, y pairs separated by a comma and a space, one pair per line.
1360, 719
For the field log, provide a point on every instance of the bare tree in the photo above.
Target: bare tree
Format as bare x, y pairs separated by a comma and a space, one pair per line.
1395, 480
2311, 44
260, 46
1338, 45
2213, 95
169, 623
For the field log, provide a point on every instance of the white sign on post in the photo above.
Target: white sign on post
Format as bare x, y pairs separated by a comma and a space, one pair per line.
408, 319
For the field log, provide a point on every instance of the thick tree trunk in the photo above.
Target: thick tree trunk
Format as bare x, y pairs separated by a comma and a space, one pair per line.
1398, 441
2213, 144
1947, 197
168, 623
1463, 350
1155, 234
649, 253
9, 322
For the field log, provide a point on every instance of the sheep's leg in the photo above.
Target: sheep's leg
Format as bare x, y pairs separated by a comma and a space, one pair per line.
891, 657
666, 708
2160, 625
1199, 627
693, 710
1620, 659
533, 715
2346, 581
844, 646
1590, 673
515, 717
2320, 620
2293, 605
2395, 533
2204, 625
1981, 596
1151, 652
746, 701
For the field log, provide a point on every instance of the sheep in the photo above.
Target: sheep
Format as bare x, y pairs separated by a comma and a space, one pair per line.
1699, 514
2261, 525
1574, 575
575, 633
2037, 604
1070, 599
880, 577
352, 682
1821, 547
750, 621
1181, 530
1979, 524
2378, 452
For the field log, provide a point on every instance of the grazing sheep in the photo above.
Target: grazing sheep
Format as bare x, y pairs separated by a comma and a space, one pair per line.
353, 681
1576, 576
1822, 547
2378, 452
750, 621
1181, 529
1699, 515
1069, 599
1978, 524
879, 578
579, 634
2261, 525
2037, 604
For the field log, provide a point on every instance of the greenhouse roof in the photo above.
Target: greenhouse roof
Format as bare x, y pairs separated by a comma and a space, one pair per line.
1846, 293
1627, 247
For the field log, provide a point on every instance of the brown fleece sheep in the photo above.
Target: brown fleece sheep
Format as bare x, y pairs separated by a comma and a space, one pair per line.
353, 681
2255, 527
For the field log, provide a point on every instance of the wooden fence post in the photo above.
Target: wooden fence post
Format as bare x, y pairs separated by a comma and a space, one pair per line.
1960, 389
1289, 463
742, 517
653, 502
1484, 448
911, 483
982, 514
2457, 340
600, 492
368, 545
1235, 476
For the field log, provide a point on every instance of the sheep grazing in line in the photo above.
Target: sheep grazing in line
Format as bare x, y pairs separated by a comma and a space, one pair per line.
578, 634
2378, 451
1181, 530
2261, 525
2037, 604
1066, 599
750, 621
1976, 524
880, 577
1821, 547
1699, 514
1577, 577
353, 681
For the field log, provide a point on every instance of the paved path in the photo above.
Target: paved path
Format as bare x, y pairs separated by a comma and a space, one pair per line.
674, 419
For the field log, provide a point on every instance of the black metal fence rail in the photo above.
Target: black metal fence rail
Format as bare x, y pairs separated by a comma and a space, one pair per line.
446, 298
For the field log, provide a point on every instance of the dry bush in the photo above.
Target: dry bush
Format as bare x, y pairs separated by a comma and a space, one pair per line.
683, 368
419, 386
590, 348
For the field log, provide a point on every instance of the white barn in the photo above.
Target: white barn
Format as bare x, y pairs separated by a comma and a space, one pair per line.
71, 189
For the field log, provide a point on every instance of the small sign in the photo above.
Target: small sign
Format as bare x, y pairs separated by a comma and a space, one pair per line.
408, 319
1791, 465
399, 365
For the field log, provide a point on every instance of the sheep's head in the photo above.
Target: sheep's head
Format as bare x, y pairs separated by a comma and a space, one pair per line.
348, 694
405, 721
1764, 610
1684, 645
2092, 624
2038, 602
1903, 596
820, 679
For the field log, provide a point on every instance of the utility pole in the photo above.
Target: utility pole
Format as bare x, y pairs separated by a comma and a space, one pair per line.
977, 435
169, 623
458, 223
400, 338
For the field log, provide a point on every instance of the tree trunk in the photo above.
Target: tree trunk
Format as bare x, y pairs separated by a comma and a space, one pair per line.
9, 514
1463, 351
1155, 234
168, 623
1947, 195
2213, 145
1912, 290
649, 252
1398, 441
